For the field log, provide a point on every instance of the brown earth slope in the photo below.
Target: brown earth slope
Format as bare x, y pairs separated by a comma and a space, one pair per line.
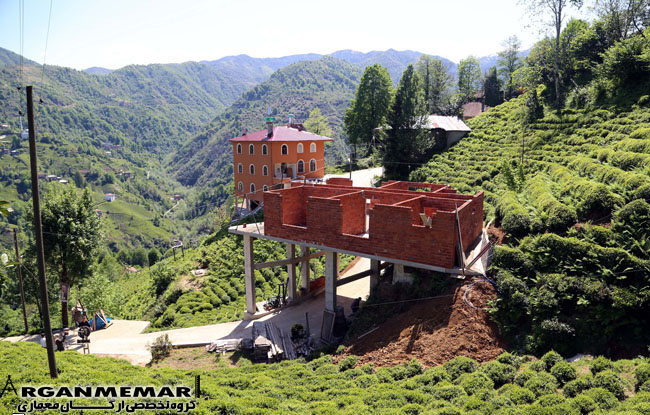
435, 330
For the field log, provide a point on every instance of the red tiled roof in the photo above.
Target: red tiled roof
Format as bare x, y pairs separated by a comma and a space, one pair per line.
281, 133
472, 109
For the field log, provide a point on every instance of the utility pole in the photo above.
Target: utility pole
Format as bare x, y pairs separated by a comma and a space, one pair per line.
20, 281
38, 235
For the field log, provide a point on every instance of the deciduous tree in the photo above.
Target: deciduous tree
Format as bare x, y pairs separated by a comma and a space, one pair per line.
557, 10
71, 236
370, 106
317, 123
508, 63
469, 76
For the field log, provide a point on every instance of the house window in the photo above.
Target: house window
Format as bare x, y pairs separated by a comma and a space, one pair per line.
300, 148
285, 149
312, 165
240, 168
265, 149
301, 166
251, 149
251, 169
240, 186
265, 171
252, 187
238, 148
312, 148
266, 188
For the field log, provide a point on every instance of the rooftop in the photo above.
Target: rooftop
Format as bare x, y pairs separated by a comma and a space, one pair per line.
281, 133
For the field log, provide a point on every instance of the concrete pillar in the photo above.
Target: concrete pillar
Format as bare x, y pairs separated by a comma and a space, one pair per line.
249, 275
331, 273
291, 273
374, 277
399, 275
305, 271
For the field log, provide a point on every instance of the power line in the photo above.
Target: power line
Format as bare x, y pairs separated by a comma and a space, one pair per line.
47, 38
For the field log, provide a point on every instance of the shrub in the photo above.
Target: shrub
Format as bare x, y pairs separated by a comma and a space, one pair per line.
517, 395
499, 373
537, 366
508, 358
475, 382
644, 387
599, 364
523, 377
603, 398
608, 380
575, 387
583, 403
432, 376
446, 391
348, 363
459, 365
563, 372
642, 373
541, 383
551, 358
160, 348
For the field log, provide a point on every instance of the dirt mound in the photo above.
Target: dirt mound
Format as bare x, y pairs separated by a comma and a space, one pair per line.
434, 331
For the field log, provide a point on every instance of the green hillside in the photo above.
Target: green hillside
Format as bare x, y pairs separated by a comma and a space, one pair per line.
577, 220
327, 84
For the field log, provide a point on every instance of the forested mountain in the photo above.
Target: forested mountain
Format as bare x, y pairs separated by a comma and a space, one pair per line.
91, 128
327, 84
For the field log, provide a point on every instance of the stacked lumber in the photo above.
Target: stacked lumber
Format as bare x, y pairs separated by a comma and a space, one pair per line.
224, 345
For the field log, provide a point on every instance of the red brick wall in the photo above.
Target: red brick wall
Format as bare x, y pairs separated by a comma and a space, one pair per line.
334, 219
341, 181
353, 213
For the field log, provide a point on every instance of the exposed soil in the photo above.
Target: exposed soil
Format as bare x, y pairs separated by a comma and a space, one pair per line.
497, 235
434, 331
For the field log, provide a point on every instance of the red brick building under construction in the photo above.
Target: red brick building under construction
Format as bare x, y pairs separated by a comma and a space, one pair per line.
418, 225
416, 222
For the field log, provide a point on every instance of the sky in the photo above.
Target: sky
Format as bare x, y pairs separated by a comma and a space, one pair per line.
116, 33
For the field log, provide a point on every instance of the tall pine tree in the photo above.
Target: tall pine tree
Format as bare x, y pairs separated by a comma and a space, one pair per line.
403, 137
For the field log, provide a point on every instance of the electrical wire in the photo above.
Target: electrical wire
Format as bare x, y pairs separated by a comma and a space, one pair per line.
47, 38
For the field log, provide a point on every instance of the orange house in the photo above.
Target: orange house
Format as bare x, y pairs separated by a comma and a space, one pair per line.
272, 158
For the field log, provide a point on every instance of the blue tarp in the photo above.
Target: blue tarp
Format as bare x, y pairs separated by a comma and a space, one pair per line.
100, 322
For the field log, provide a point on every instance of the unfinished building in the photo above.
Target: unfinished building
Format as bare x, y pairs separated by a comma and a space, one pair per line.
419, 225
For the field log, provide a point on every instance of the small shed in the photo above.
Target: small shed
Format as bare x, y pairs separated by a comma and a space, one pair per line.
109, 197
452, 129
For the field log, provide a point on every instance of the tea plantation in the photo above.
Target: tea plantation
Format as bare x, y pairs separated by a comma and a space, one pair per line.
508, 385
571, 190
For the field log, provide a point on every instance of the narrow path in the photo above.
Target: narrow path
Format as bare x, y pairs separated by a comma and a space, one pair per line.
124, 338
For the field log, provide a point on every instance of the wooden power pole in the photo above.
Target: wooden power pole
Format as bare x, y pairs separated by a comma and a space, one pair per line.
38, 235
20, 281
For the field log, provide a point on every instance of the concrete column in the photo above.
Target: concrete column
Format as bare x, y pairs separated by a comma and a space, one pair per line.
305, 271
399, 275
291, 273
331, 272
374, 277
249, 275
